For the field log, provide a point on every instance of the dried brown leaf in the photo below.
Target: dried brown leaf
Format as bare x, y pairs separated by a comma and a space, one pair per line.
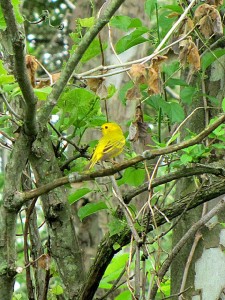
138, 73
189, 54
102, 91
134, 93
209, 20
94, 83
32, 65
44, 262
154, 78
47, 82
193, 57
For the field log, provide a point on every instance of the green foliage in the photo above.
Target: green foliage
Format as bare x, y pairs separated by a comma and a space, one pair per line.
149, 7
43, 93
92, 51
133, 176
131, 40
90, 209
77, 106
209, 57
125, 23
194, 154
18, 15
113, 270
173, 110
4, 77
116, 226
78, 194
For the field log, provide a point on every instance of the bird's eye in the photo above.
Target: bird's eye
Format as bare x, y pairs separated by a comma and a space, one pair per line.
106, 127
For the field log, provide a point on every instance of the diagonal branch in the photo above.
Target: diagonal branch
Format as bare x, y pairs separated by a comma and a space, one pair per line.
106, 250
147, 155
18, 45
75, 58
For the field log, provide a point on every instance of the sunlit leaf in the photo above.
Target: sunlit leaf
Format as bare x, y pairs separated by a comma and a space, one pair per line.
78, 194
90, 209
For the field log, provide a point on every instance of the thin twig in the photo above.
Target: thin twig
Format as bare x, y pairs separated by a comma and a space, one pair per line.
194, 228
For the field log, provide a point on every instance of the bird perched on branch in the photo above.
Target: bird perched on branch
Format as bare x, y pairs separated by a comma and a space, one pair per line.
110, 144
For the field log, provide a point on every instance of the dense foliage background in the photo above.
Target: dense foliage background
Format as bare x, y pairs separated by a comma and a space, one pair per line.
157, 69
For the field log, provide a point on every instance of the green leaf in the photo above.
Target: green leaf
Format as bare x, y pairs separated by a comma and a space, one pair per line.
185, 158
93, 50
132, 39
175, 8
87, 22
43, 93
111, 90
118, 262
77, 105
90, 209
176, 81
57, 290
223, 105
176, 112
123, 90
134, 177
209, 57
149, 7
116, 226
187, 94
78, 194
2, 21
16, 7
125, 23
4, 77
125, 295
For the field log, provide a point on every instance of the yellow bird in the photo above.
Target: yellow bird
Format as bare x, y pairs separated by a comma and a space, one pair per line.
110, 144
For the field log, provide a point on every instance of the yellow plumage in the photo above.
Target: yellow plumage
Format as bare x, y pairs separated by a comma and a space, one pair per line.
110, 145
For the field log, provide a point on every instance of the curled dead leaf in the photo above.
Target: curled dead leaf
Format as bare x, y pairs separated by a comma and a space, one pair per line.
138, 73
44, 262
32, 65
189, 54
154, 76
208, 19
133, 93
94, 83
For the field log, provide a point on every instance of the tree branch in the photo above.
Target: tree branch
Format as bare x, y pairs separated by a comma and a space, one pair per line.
106, 251
194, 228
147, 155
18, 44
45, 111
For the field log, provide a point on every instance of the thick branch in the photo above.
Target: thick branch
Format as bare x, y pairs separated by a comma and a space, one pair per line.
75, 177
106, 250
17, 40
75, 58
185, 172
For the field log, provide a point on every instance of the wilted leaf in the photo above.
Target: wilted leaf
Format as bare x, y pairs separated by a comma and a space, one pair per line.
32, 65
44, 262
133, 132
47, 82
154, 78
138, 73
134, 93
94, 83
208, 18
102, 91
189, 54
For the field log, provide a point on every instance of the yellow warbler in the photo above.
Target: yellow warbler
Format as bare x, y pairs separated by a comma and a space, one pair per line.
110, 144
